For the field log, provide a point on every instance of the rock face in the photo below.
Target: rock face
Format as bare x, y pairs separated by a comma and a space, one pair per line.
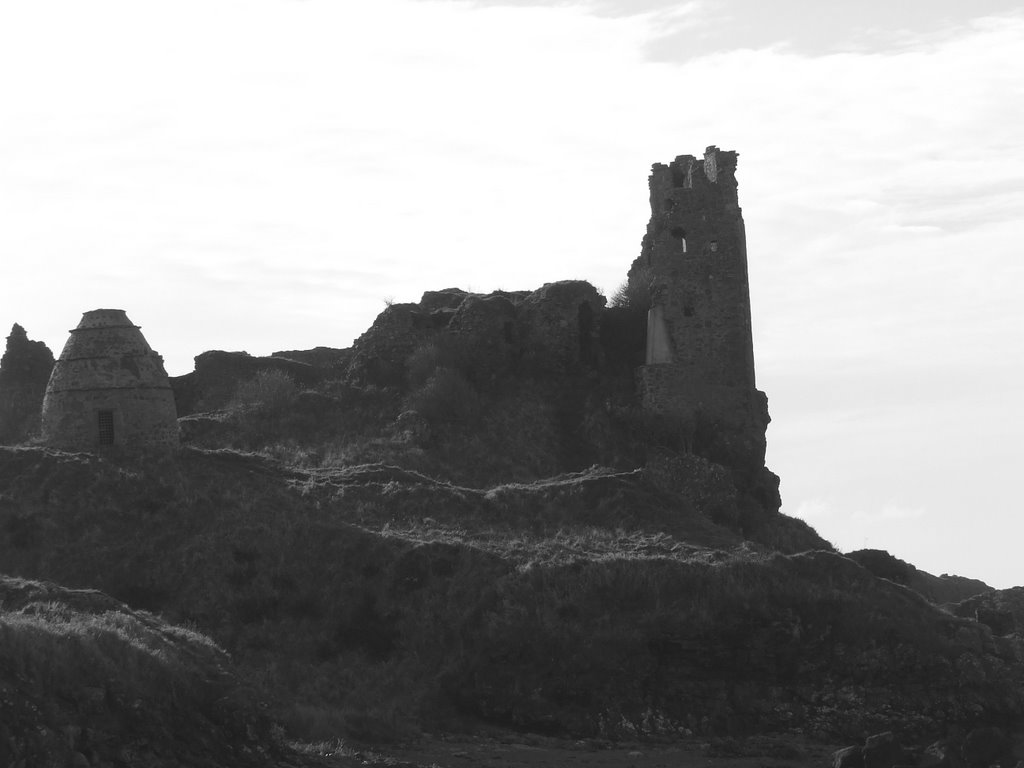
109, 388
24, 371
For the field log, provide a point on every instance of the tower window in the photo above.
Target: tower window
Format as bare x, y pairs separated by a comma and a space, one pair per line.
681, 177
105, 422
714, 246
680, 234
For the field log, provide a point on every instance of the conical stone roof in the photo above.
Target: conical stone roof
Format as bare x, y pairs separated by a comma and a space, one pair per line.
109, 388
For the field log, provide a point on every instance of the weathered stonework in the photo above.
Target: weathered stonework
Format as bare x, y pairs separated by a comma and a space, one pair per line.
559, 323
695, 256
109, 389
24, 371
553, 330
700, 359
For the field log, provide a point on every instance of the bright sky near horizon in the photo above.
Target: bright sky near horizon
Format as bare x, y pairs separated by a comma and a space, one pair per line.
264, 174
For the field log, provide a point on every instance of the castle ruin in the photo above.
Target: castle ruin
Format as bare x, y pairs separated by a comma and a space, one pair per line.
109, 389
699, 363
24, 370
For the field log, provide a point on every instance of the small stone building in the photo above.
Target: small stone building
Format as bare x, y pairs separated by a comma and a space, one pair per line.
109, 389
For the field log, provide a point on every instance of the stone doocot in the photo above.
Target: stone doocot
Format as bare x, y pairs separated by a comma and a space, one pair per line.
109, 389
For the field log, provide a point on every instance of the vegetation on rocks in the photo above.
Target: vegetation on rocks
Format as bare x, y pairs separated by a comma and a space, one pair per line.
84, 680
466, 522
375, 602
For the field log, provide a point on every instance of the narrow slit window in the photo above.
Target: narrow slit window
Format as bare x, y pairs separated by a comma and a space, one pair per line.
680, 234
106, 427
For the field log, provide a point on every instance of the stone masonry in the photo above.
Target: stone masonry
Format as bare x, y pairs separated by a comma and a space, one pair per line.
109, 389
693, 262
24, 370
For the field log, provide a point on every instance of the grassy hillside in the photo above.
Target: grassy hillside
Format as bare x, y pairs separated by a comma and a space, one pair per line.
85, 680
377, 602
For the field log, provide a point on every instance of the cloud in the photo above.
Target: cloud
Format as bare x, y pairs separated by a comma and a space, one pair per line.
681, 32
821, 511
255, 174
500, 149
889, 512
813, 510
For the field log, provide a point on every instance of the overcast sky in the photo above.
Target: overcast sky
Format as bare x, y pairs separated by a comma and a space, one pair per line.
264, 174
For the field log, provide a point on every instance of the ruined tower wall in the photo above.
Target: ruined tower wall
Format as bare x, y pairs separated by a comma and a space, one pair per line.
24, 371
699, 345
109, 388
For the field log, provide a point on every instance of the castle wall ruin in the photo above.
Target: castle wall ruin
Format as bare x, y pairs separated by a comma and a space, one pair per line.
699, 365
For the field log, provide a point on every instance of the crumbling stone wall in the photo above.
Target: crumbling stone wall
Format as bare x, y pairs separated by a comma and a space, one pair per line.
553, 330
699, 353
217, 375
24, 371
109, 388
560, 326
694, 255
379, 355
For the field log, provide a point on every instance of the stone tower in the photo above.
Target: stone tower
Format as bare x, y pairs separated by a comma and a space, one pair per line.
109, 388
699, 360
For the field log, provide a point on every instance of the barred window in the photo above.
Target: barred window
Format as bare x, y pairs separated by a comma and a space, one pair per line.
106, 427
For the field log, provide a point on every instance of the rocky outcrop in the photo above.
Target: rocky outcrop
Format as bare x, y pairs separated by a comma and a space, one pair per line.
24, 371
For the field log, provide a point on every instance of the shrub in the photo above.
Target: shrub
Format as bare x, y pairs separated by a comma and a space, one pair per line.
446, 397
269, 391
635, 293
450, 351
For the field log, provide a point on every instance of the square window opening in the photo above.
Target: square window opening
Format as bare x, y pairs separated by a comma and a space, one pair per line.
105, 422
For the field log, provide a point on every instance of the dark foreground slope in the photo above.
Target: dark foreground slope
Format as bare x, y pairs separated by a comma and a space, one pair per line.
376, 602
86, 681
